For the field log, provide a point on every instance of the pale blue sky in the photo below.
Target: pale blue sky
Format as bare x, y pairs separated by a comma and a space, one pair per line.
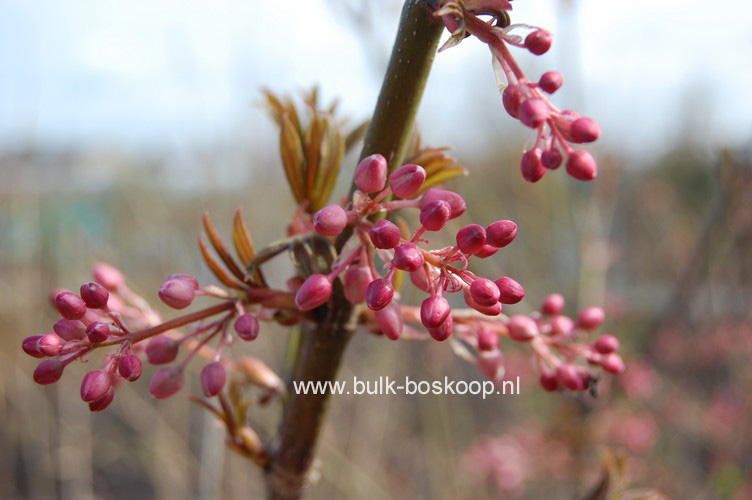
166, 73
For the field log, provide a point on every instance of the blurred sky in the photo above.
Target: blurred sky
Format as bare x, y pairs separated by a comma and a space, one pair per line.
159, 75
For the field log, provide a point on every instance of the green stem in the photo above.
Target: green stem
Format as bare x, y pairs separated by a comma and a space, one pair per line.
291, 457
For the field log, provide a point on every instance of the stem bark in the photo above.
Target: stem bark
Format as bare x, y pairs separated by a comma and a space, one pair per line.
290, 468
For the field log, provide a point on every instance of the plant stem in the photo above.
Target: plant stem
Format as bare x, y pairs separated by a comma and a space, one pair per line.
291, 458
170, 324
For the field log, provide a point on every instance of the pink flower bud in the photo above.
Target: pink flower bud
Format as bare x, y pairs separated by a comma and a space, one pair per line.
456, 202
590, 318
357, 279
408, 257
247, 327
550, 81
553, 304
491, 364
486, 251
370, 175
487, 340
606, 344
314, 291
108, 276
30, 346
551, 158
484, 292
538, 42
434, 311
95, 385
129, 367
501, 233
531, 165
534, 112
97, 332
379, 294
177, 293
213, 378
162, 349
420, 280
48, 371
330, 220
522, 328
185, 277
166, 382
390, 320
584, 130
512, 98
549, 381
70, 305
444, 331
561, 325
511, 291
50, 344
384, 234
407, 180
69, 329
434, 215
471, 238
492, 310
613, 363
103, 402
94, 295
581, 165
568, 376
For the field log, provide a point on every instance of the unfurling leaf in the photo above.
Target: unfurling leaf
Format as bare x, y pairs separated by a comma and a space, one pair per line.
439, 166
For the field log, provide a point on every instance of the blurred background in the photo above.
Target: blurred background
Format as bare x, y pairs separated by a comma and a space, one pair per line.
122, 122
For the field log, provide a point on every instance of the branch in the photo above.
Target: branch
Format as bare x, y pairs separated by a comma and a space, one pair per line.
291, 458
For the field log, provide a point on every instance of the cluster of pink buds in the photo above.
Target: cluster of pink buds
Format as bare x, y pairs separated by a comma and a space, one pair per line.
563, 353
436, 272
107, 314
526, 100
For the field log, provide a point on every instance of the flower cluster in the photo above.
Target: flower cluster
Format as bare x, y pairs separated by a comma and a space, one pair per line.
557, 340
436, 272
523, 99
107, 314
